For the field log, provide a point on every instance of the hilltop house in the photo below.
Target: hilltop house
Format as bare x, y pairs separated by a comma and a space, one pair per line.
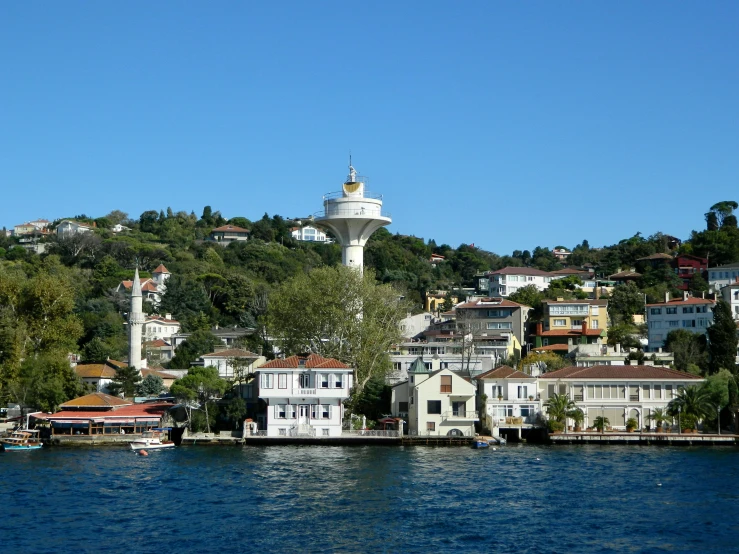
719, 277
568, 322
304, 396
152, 287
227, 234
308, 233
68, 227
689, 313
157, 327
730, 294
508, 280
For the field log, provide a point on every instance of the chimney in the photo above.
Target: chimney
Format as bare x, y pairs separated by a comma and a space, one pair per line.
584, 326
167, 316
560, 299
618, 348
667, 297
686, 294
539, 329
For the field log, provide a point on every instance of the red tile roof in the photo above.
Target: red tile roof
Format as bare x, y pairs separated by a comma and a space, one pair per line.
504, 372
161, 269
96, 400
312, 361
621, 372
157, 373
127, 283
94, 371
161, 319
159, 343
128, 411
231, 228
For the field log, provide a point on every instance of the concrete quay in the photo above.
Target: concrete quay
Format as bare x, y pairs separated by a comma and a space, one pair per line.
666, 439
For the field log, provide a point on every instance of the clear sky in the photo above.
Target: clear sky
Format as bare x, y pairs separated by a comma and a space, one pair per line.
504, 124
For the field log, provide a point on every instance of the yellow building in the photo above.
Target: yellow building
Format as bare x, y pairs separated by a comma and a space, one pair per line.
569, 322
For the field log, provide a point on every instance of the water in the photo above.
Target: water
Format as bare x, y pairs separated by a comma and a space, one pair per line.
371, 499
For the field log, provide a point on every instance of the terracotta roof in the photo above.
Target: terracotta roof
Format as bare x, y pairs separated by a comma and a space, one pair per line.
680, 302
231, 228
116, 363
504, 372
156, 372
127, 283
127, 411
312, 361
521, 271
488, 303
552, 347
656, 257
94, 371
161, 319
231, 353
571, 333
159, 343
621, 372
96, 400
161, 269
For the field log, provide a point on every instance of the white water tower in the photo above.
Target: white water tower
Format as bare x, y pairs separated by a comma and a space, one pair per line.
352, 215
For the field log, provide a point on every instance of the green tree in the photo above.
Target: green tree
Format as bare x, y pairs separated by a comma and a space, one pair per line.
235, 410
202, 384
186, 299
625, 302
44, 382
151, 385
600, 423
722, 339
339, 313
532, 297
693, 403
126, 381
688, 348
198, 343
659, 416
559, 407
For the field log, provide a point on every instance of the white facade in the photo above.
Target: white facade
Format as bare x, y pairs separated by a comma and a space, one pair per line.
71, 228
692, 314
135, 325
158, 327
229, 362
508, 280
512, 398
730, 294
617, 392
304, 396
413, 325
310, 234
440, 403
719, 277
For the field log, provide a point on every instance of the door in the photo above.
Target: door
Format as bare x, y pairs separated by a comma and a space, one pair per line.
458, 408
303, 414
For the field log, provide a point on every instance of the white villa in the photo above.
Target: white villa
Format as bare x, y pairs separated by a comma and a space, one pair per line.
157, 327
67, 228
512, 397
721, 276
231, 362
308, 233
617, 392
438, 402
508, 280
304, 396
689, 313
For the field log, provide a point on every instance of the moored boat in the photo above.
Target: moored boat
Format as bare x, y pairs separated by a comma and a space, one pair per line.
20, 440
480, 443
150, 440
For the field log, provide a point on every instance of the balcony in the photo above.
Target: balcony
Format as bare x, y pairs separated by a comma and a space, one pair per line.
305, 392
460, 415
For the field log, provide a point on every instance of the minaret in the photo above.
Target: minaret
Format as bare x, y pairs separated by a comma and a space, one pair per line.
135, 323
352, 215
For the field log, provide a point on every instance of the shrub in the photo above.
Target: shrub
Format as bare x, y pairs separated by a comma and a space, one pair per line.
555, 426
631, 423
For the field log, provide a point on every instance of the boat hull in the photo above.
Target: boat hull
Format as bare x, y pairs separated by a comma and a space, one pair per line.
21, 448
480, 444
145, 446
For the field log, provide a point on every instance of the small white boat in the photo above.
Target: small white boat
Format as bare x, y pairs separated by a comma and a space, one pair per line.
22, 439
150, 440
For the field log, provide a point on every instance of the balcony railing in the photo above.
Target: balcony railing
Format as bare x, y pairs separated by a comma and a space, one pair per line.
460, 414
305, 392
332, 211
371, 433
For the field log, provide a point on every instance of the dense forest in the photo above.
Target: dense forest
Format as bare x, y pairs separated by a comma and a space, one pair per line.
63, 301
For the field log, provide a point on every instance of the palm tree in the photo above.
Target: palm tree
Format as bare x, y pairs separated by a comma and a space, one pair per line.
577, 416
660, 415
693, 403
559, 407
601, 422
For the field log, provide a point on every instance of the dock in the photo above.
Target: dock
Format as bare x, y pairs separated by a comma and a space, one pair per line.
666, 439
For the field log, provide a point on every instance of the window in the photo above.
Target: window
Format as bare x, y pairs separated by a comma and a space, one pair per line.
655, 311
397, 366
304, 380
338, 381
324, 380
671, 311
688, 310
572, 309
282, 432
527, 411
433, 407
402, 406
504, 325
267, 380
324, 432
325, 411
282, 380
673, 323
430, 426
523, 391
669, 393
594, 324
249, 391
595, 310
560, 322
446, 383
281, 411
688, 322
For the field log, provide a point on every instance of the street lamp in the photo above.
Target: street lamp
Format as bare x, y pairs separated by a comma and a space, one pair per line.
718, 423
679, 428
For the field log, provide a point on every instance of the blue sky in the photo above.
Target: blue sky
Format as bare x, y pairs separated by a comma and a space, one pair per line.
508, 125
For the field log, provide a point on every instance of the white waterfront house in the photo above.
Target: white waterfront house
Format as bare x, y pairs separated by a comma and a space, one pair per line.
511, 397
304, 396
439, 402
617, 392
689, 313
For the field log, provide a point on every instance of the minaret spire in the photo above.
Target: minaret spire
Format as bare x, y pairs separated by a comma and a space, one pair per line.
135, 323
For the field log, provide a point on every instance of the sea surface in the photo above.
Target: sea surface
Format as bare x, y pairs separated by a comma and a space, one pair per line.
519, 499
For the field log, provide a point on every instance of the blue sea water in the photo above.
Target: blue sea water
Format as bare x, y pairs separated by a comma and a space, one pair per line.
371, 499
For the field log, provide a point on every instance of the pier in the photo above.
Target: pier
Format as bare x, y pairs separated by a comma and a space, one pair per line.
666, 439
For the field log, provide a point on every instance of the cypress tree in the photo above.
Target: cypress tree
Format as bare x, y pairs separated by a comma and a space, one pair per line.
722, 339
126, 380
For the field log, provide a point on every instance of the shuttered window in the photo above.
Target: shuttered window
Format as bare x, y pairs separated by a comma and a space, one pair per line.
446, 383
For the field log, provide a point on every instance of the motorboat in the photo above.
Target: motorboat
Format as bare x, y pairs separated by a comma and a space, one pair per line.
21, 439
480, 443
150, 440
